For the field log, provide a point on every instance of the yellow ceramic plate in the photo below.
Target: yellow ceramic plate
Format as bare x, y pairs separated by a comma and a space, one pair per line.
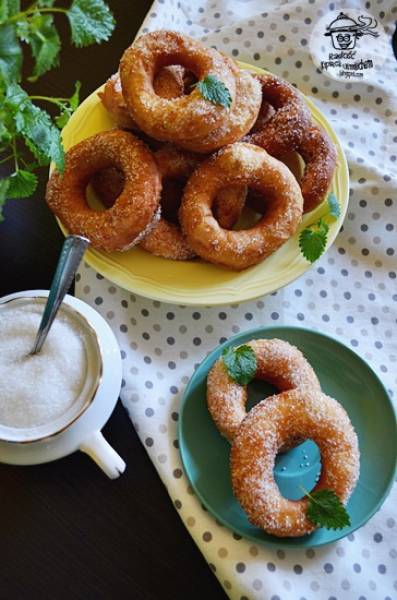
196, 282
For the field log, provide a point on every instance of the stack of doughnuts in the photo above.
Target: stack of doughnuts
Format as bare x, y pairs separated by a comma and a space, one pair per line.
178, 170
300, 411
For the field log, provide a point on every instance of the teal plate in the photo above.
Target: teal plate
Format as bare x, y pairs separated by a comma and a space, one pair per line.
343, 375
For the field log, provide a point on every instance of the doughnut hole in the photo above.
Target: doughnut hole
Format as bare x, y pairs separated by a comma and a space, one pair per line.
298, 470
104, 188
256, 202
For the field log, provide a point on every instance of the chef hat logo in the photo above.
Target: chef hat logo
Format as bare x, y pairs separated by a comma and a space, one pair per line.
344, 31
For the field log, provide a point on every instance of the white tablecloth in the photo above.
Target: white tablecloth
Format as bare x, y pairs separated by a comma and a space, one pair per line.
350, 293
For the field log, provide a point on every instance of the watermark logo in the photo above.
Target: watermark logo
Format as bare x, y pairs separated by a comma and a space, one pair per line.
338, 49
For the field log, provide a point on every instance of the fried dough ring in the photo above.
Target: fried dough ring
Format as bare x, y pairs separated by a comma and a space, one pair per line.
270, 425
285, 129
278, 363
247, 165
187, 117
238, 121
136, 208
166, 239
319, 155
169, 83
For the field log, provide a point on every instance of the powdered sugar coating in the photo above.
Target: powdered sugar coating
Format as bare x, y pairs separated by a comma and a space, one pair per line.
303, 413
278, 362
240, 164
118, 227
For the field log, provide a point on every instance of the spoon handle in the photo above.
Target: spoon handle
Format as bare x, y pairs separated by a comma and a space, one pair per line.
72, 252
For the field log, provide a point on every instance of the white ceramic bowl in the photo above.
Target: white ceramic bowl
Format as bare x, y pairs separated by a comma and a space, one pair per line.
79, 427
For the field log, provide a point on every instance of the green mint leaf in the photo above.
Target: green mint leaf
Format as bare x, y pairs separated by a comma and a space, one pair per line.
63, 116
8, 8
326, 510
4, 183
22, 184
45, 43
214, 90
3, 10
333, 205
68, 107
313, 240
91, 22
14, 7
10, 53
240, 363
34, 124
5, 134
74, 100
45, 3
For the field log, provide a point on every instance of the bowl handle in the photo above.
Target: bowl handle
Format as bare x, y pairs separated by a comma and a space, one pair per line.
103, 454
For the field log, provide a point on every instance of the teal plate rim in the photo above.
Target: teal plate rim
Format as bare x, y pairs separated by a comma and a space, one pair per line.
205, 365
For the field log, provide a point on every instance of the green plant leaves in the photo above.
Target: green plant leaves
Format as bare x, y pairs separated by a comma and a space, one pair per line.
326, 510
10, 54
240, 363
313, 241
214, 90
91, 22
22, 184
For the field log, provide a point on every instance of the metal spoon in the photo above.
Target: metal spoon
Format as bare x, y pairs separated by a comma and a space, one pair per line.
71, 254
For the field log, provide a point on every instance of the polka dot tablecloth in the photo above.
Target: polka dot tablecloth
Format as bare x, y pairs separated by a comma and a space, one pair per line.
350, 293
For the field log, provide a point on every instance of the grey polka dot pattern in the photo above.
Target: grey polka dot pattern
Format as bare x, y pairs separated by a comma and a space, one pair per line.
350, 293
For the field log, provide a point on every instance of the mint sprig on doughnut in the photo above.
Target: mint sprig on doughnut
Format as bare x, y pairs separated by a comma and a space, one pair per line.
240, 363
326, 510
214, 90
313, 239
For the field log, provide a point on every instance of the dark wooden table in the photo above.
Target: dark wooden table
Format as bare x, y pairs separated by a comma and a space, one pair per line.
66, 530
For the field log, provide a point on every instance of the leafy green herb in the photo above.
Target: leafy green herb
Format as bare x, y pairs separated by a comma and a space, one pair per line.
4, 183
35, 127
21, 184
240, 363
214, 90
24, 125
334, 206
313, 239
10, 54
90, 21
68, 106
44, 41
326, 510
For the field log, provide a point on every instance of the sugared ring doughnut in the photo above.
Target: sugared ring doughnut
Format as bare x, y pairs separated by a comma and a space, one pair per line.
277, 362
186, 117
270, 425
175, 166
168, 83
245, 165
319, 154
167, 239
285, 129
136, 208
239, 119
112, 99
